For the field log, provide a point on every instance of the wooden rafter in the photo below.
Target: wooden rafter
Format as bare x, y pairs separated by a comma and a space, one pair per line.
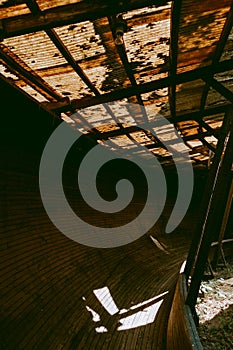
68, 56
207, 127
12, 61
220, 88
62, 48
15, 87
214, 214
124, 59
175, 20
67, 14
208, 112
217, 53
128, 69
191, 259
105, 30
145, 87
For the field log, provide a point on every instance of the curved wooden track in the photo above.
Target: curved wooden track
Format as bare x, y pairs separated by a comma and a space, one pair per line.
48, 280
181, 321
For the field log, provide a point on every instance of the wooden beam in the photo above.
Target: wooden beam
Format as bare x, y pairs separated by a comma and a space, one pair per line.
129, 71
220, 88
68, 56
175, 21
221, 240
22, 92
145, 87
206, 126
33, 6
206, 143
197, 237
67, 14
12, 61
218, 52
207, 112
134, 128
213, 219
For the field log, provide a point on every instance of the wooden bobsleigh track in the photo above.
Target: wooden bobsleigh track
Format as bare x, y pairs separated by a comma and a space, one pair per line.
59, 59
50, 285
182, 331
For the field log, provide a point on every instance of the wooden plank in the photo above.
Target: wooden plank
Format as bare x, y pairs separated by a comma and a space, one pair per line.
14, 62
175, 20
220, 88
213, 217
67, 14
218, 52
147, 87
16, 10
22, 92
206, 197
63, 49
181, 332
156, 15
141, 116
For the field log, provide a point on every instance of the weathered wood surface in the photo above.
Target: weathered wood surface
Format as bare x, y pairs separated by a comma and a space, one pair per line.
181, 331
44, 276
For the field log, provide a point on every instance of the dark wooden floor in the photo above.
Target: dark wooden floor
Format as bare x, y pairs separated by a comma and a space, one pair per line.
47, 281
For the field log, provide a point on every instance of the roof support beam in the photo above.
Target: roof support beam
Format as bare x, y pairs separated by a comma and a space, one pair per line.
220, 88
67, 14
67, 55
22, 92
207, 127
131, 129
33, 6
128, 69
197, 237
206, 143
146, 87
218, 52
13, 62
175, 20
213, 219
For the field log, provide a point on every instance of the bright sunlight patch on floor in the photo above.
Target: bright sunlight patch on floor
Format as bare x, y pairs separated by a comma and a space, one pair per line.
137, 315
